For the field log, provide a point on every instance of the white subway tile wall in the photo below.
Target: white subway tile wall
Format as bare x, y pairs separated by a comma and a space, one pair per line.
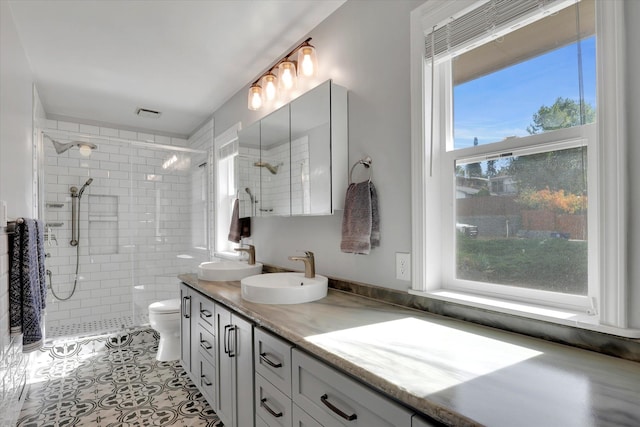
137, 225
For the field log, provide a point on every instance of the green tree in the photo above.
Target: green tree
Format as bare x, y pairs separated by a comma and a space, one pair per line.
564, 113
555, 170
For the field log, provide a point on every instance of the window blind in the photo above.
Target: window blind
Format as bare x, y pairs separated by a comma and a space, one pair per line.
489, 20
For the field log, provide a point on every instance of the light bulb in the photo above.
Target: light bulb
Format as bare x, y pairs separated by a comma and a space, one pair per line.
270, 88
255, 97
307, 63
287, 75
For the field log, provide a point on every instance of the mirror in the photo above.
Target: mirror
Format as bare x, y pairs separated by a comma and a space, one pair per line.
311, 152
275, 164
247, 175
295, 160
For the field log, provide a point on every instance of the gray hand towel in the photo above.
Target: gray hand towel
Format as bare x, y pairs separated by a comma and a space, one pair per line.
235, 229
360, 221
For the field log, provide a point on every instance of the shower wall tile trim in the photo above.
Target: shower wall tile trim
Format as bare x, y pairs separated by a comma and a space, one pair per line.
130, 254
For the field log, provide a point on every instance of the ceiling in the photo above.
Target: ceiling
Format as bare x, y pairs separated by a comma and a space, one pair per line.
100, 60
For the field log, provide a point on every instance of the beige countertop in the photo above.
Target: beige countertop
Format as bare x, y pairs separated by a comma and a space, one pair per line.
456, 372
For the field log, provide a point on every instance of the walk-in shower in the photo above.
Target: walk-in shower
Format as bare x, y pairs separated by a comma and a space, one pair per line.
120, 225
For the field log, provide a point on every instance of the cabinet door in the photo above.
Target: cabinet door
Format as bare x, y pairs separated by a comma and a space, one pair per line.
185, 328
225, 366
243, 381
234, 403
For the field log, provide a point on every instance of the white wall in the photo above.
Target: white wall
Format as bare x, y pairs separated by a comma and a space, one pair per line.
363, 46
15, 120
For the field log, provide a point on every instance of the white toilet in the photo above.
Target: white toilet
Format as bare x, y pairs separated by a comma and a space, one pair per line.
164, 317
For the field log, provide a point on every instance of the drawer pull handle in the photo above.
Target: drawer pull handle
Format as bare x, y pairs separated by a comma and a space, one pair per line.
186, 304
325, 399
205, 381
206, 313
265, 359
205, 344
230, 340
263, 403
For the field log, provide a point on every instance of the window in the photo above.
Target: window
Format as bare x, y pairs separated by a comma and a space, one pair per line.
509, 182
226, 152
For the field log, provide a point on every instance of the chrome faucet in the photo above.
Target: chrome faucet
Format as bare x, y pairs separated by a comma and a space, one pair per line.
251, 250
309, 263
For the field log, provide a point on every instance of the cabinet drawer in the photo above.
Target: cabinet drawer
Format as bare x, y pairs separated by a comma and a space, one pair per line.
272, 359
333, 399
302, 419
272, 406
418, 421
206, 343
205, 312
207, 381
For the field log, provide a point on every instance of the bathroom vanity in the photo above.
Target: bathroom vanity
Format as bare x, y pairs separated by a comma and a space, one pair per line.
346, 360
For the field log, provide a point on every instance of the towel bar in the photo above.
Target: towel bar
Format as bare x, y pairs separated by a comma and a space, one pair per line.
366, 162
11, 225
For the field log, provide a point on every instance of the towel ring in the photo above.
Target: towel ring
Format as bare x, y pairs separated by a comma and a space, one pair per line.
366, 162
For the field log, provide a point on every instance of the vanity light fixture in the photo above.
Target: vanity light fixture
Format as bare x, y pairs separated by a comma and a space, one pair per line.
270, 86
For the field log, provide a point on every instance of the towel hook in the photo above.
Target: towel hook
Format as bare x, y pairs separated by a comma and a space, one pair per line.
366, 162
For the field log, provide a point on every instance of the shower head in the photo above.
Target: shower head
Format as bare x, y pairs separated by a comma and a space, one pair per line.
86, 184
269, 166
61, 148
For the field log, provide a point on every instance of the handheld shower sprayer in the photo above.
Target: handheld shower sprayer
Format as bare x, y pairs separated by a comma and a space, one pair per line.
86, 184
248, 190
75, 211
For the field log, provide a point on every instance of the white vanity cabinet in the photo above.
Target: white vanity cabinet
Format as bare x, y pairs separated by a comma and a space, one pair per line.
234, 404
333, 399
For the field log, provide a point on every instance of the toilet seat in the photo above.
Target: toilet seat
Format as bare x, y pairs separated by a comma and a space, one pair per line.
168, 306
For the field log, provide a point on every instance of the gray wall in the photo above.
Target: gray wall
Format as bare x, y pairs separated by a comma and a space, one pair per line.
363, 46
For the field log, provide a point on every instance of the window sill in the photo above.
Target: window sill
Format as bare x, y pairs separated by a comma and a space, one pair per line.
545, 313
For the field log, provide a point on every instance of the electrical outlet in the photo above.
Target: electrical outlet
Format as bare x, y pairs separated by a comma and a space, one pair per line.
403, 266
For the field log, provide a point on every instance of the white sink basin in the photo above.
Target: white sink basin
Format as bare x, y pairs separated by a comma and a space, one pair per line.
219, 271
283, 288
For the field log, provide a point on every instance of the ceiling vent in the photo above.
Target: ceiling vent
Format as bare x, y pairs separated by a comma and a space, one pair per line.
149, 114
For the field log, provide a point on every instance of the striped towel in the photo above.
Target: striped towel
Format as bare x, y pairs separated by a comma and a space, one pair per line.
27, 284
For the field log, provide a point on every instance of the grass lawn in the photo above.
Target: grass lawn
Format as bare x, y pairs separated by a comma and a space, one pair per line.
556, 265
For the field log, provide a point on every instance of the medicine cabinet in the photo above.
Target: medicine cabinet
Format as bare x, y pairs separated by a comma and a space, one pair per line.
294, 161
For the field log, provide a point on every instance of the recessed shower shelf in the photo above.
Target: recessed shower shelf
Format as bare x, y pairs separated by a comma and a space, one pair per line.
54, 224
55, 205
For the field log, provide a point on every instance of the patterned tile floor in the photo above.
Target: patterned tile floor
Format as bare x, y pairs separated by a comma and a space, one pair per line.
111, 381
